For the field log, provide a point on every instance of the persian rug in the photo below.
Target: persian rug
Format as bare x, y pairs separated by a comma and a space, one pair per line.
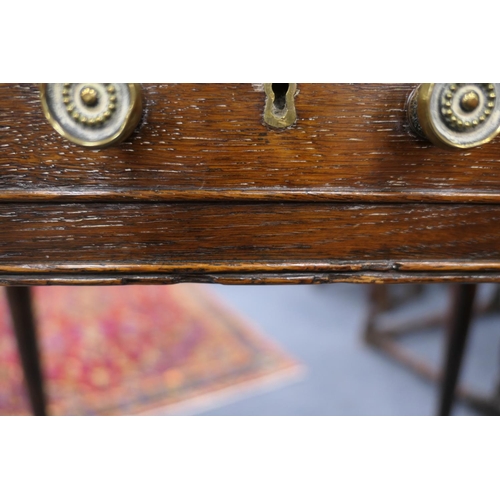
139, 350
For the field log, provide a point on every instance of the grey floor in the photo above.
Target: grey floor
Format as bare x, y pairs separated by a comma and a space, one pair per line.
321, 326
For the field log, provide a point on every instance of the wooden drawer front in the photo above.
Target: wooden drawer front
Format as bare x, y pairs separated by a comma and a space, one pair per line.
192, 239
207, 142
204, 191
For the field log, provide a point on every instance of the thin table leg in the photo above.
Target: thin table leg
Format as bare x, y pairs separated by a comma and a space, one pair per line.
458, 329
19, 299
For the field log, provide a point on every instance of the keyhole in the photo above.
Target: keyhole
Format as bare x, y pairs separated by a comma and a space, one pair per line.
279, 110
280, 90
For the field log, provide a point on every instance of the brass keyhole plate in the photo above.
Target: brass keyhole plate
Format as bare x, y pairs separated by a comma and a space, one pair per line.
279, 114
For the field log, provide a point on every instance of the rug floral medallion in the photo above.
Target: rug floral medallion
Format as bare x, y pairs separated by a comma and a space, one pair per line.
134, 350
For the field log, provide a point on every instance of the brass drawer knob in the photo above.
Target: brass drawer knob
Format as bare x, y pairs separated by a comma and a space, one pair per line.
456, 115
94, 115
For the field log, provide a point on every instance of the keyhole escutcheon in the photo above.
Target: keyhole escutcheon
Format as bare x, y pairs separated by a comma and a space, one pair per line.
279, 111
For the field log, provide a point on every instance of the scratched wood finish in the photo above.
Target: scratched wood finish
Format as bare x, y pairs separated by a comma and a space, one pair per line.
203, 191
245, 278
196, 238
204, 142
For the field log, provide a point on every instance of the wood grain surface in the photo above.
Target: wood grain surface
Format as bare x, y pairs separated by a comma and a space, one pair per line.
204, 191
197, 238
197, 232
202, 142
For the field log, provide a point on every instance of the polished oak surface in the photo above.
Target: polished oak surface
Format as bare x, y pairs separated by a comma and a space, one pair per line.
204, 191
209, 142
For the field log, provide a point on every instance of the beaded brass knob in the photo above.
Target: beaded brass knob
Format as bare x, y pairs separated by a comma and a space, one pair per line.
94, 115
456, 115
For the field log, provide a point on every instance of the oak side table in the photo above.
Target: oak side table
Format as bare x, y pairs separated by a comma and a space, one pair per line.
206, 190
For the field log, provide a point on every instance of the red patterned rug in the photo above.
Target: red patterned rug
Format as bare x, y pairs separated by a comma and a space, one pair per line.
137, 350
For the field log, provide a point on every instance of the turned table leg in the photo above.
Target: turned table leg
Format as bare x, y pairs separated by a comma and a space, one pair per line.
457, 333
19, 299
